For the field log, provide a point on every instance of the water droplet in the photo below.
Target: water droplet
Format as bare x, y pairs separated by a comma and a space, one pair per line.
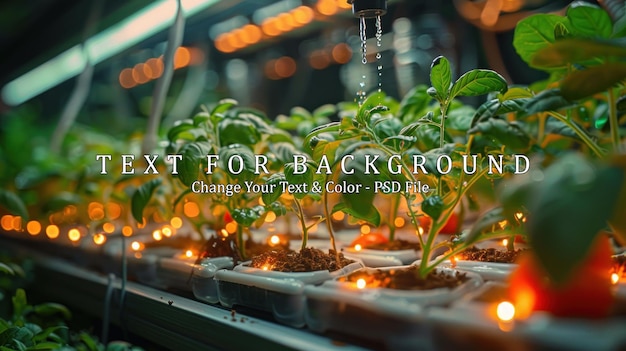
380, 67
378, 55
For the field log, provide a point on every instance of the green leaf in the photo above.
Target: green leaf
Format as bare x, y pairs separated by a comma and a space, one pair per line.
237, 131
12, 203
60, 200
51, 308
44, 334
441, 77
141, 198
178, 128
589, 20
485, 222
433, 206
478, 82
88, 340
413, 104
304, 178
507, 133
326, 128
245, 216
46, 345
593, 80
563, 223
272, 196
238, 153
515, 93
548, 100
193, 154
20, 304
560, 31
563, 53
534, 33
223, 106
6, 269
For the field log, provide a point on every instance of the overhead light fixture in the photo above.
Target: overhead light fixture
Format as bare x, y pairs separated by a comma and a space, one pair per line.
113, 40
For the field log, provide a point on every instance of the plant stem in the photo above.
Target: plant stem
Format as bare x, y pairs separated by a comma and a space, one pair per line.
443, 106
305, 231
614, 124
580, 132
542, 128
415, 221
393, 211
329, 225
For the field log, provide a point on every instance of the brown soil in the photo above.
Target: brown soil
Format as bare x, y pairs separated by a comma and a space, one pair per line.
254, 248
306, 260
490, 255
407, 279
395, 245
219, 246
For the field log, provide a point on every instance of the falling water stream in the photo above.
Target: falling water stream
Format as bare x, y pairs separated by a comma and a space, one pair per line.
379, 42
361, 93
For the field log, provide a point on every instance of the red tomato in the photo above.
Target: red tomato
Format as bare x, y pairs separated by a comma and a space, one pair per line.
588, 294
449, 228
366, 240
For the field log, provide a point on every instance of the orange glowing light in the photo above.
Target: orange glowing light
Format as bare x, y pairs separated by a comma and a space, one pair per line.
17, 223
33, 227
189, 253
156, 67
224, 233
365, 229
274, 240
182, 57
343, 4
360, 284
114, 210
99, 239
73, 234
326, 7
191, 209
6, 222
126, 78
136, 246
614, 278
252, 34
266, 267
270, 70
505, 311
127, 230
505, 242
491, 12
52, 231
285, 22
319, 59
399, 222
231, 227
176, 222
342, 53
270, 28
96, 214
338, 216
222, 44
302, 15
271, 217
420, 230
234, 41
167, 231
108, 227
69, 210
139, 74
157, 235
358, 247
285, 67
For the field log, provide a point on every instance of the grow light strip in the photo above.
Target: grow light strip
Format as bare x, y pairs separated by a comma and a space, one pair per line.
113, 40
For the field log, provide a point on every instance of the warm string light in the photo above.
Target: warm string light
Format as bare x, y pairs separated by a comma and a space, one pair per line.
505, 311
505, 242
360, 283
358, 247
274, 240
365, 229
153, 68
188, 253
614, 278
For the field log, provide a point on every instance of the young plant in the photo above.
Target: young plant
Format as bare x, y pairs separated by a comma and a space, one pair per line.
393, 142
